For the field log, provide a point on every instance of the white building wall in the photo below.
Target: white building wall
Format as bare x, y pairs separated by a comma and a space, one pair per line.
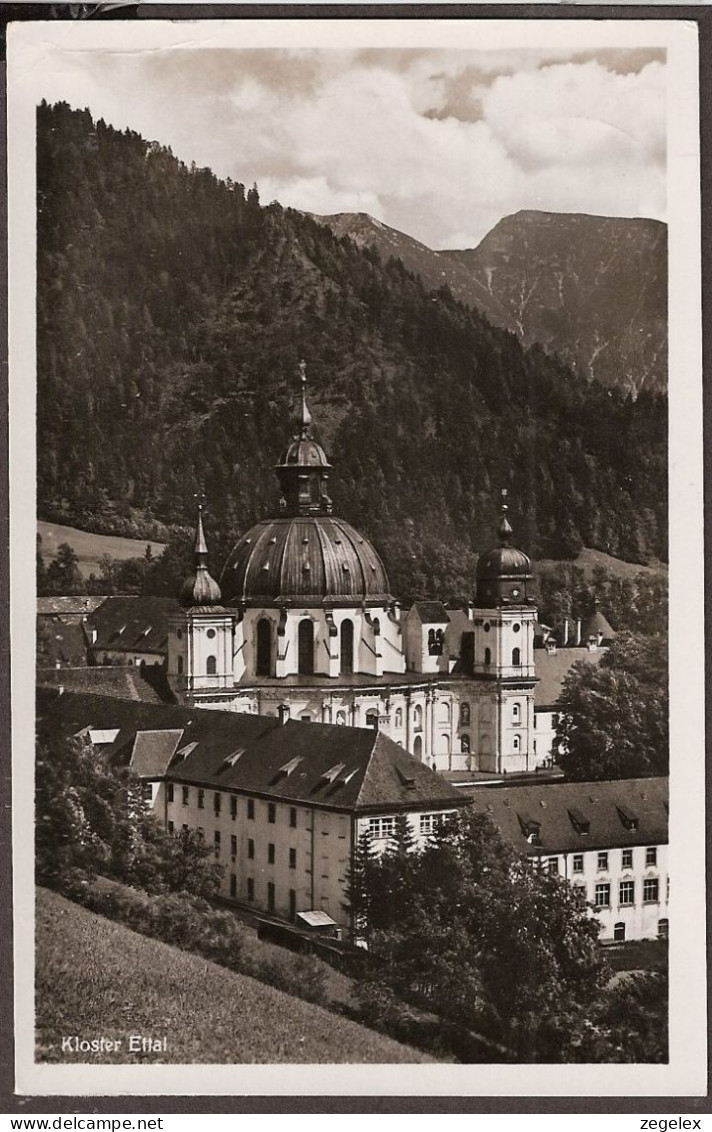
643, 916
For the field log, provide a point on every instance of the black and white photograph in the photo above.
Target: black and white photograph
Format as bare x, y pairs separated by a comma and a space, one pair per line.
355, 434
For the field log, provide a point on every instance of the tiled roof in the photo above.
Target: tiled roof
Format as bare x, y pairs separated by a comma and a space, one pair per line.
559, 808
431, 612
132, 624
596, 624
124, 683
342, 768
552, 668
76, 606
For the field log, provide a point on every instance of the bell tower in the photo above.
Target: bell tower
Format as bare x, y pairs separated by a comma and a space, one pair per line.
200, 637
504, 617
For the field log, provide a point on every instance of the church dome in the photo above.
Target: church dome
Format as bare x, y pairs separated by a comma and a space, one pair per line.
304, 560
306, 452
504, 562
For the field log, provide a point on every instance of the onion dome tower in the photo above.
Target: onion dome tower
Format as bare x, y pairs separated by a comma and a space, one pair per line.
310, 593
200, 588
200, 636
504, 574
505, 617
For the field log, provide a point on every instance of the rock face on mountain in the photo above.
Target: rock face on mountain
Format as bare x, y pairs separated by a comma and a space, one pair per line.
591, 289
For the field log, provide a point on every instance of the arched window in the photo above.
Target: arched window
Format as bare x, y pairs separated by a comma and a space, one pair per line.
465, 744
211, 665
464, 715
431, 642
663, 929
516, 743
341, 718
180, 665
399, 717
372, 718
264, 647
305, 662
347, 647
445, 744
439, 642
488, 656
516, 658
418, 748
516, 712
619, 932
418, 717
376, 626
445, 712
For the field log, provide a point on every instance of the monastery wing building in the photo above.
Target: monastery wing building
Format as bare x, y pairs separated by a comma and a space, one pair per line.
303, 625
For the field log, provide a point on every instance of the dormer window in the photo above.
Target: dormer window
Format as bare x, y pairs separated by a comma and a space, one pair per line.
628, 818
579, 821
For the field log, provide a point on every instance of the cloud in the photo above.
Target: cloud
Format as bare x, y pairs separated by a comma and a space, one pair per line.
440, 144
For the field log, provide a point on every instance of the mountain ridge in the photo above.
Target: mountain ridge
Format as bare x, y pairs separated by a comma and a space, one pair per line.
589, 288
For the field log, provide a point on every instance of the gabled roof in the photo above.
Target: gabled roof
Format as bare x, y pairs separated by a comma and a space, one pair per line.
563, 810
60, 640
431, 612
552, 668
132, 624
153, 751
344, 768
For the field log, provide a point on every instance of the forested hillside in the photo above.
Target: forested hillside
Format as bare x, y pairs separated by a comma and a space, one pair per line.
173, 310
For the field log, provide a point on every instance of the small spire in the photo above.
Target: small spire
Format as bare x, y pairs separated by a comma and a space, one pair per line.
306, 418
200, 546
504, 530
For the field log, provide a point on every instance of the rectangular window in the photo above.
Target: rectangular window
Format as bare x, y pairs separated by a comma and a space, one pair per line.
552, 864
270, 854
627, 858
184, 828
626, 893
251, 850
201, 799
233, 885
250, 888
270, 896
186, 795
233, 807
217, 842
602, 861
170, 827
169, 792
292, 858
381, 827
251, 809
293, 817
578, 862
216, 803
292, 903
271, 813
580, 893
429, 823
651, 855
603, 896
650, 890
233, 845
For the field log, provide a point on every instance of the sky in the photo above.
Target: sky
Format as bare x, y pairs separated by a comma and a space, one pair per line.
440, 144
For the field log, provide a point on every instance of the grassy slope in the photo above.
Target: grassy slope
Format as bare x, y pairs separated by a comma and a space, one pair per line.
95, 977
588, 559
89, 548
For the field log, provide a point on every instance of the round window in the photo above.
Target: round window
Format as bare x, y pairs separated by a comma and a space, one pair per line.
515, 593
516, 627
211, 633
486, 626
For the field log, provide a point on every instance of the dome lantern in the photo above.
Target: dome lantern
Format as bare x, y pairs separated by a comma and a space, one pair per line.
504, 573
303, 468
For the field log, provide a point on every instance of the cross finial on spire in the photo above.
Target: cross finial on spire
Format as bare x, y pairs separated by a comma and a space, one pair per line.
505, 529
200, 546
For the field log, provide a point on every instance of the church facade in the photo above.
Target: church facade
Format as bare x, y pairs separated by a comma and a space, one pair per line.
302, 625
